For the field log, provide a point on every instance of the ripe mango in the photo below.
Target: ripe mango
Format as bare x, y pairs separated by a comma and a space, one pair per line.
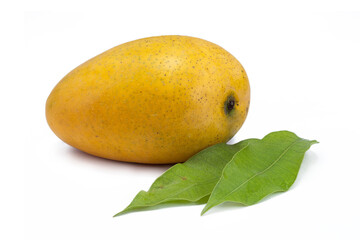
155, 100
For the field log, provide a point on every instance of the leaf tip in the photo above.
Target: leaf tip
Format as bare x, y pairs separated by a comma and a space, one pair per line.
118, 214
205, 209
314, 142
126, 210
203, 212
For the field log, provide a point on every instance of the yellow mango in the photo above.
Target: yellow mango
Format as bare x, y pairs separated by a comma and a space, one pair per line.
155, 100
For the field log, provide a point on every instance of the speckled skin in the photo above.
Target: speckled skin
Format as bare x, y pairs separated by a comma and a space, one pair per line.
153, 100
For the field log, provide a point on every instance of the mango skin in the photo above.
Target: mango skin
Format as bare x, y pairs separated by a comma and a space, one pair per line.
155, 100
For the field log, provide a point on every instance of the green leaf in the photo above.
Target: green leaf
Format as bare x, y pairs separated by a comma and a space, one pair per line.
263, 167
191, 181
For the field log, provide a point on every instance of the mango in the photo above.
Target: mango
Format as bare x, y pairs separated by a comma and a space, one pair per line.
155, 100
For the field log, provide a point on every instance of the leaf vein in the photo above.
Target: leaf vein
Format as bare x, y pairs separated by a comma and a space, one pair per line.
259, 173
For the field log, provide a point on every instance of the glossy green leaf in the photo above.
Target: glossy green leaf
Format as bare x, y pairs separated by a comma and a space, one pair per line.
263, 167
191, 181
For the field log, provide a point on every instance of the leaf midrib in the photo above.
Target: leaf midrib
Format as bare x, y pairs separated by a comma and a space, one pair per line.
177, 193
259, 173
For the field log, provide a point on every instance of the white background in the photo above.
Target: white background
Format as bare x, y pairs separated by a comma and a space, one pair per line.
303, 62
